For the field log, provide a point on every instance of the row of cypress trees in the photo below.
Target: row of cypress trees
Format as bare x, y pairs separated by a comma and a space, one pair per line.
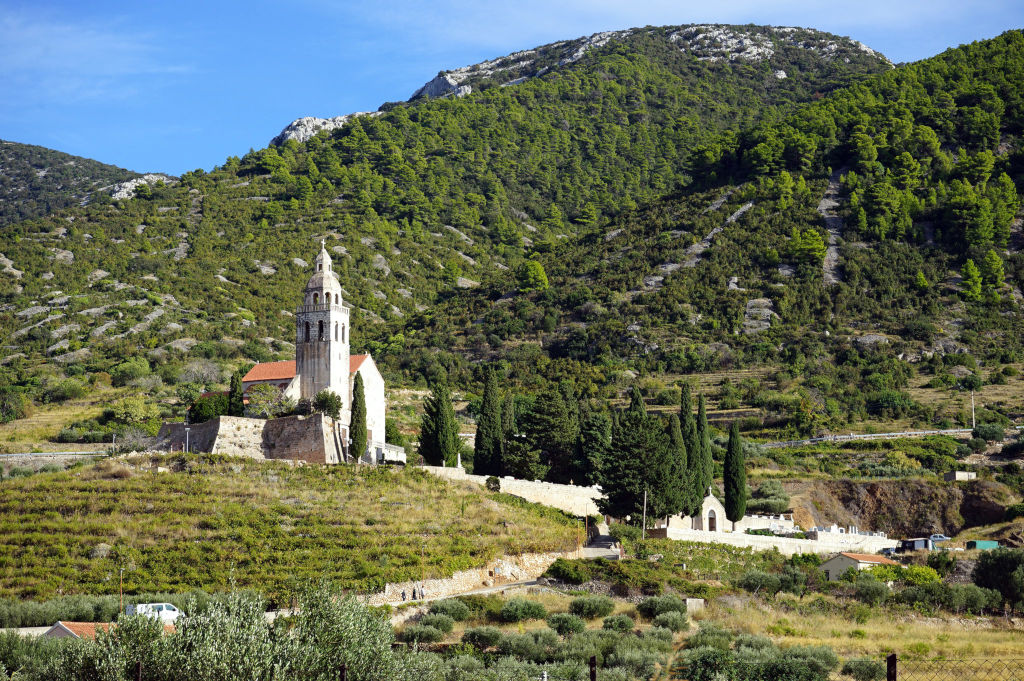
562, 439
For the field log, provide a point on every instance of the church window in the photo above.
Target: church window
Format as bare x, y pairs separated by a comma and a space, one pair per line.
342, 333
307, 332
337, 300
335, 330
320, 333
316, 298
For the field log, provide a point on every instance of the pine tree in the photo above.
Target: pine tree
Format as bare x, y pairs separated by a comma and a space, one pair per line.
236, 399
735, 478
705, 468
508, 417
594, 442
550, 429
971, 284
487, 444
439, 431
357, 429
992, 273
694, 495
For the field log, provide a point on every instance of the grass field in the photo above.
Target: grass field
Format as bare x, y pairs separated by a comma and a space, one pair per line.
211, 524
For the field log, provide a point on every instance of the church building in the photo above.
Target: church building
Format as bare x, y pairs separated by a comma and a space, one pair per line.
322, 358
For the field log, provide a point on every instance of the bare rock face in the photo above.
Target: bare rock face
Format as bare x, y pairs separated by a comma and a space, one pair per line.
442, 85
126, 190
303, 129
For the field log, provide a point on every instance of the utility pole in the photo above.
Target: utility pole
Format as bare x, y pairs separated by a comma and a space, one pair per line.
973, 423
120, 593
186, 440
643, 530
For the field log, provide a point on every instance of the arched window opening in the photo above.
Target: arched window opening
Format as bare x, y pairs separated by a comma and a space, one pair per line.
319, 267
712, 521
335, 330
307, 332
320, 332
316, 298
337, 299
343, 339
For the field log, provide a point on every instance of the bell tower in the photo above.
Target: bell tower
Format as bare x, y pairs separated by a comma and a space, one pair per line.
322, 335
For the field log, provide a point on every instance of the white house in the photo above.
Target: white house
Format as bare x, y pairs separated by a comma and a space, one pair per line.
835, 567
712, 519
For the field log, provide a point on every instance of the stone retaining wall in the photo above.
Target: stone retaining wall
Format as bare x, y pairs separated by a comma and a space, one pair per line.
572, 499
787, 546
500, 571
312, 439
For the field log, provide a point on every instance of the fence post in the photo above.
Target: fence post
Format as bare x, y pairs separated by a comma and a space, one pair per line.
138, 671
344, 671
890, 668
593, 668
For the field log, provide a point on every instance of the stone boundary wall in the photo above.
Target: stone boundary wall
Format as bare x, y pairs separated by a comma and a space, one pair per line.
572, 499
787, 546
201, 436
504, 570
294, 438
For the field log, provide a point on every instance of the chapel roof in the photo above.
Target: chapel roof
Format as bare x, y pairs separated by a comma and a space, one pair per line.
275, 371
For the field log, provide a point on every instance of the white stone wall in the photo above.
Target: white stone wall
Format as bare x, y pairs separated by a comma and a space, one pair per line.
786, 545
376, 403
572, 499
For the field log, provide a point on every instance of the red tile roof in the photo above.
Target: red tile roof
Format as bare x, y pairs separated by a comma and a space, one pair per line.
85, 629
355, 361
869, 558
271, 371
276, 371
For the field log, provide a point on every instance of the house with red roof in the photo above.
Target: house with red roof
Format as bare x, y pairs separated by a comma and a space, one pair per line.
835, 567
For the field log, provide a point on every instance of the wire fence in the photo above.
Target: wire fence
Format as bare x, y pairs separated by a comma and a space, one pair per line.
976, 669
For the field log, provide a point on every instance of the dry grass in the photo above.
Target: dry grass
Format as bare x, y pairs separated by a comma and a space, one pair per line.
36, 432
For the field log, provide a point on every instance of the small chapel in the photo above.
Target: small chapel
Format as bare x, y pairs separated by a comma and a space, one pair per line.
322, 358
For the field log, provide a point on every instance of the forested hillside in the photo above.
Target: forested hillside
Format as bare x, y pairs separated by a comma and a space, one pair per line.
652, 206
36, 181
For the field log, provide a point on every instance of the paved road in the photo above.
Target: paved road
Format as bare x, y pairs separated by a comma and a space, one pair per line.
601, 546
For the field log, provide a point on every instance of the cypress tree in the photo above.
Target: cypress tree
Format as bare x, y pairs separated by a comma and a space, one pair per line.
487, 444
594, 442
236, 400
508, 417
735, 475
693, 496
439, 432
704, 468
357, 429
678, 491
550, 430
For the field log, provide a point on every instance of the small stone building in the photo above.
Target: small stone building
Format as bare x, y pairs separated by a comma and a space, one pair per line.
712, 518
835, 567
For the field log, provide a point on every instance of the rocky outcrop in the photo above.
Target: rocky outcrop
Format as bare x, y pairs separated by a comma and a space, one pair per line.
303, 129
127, 189
442, 85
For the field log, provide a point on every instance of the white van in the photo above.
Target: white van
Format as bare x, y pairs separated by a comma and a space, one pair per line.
165, 612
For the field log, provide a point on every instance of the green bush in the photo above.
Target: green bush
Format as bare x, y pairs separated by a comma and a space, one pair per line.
442, 623
566, 624
710, 635
450, 607
482, 637
592, 607
621, 532
991, 432
673, 621
863, 669
519, 609
758, 581
656, 605
422, 633
570, 571
1014, 511
618, 623
871, 591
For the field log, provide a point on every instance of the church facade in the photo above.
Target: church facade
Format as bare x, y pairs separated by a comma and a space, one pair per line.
323, 361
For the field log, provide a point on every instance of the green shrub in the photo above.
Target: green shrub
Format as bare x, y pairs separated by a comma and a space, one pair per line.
618, 623
1014, 511
656, 605
570, 571
519, 609
991, 432
482, 637
422, 633
566, 624
864, 669
871, 591
592, 607
622, 532
673, 621
758, 581
706, 663
710, 635
442, 623
450, 607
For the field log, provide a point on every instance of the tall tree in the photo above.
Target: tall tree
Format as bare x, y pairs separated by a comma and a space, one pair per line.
735, 475
508, 417
357, 428
439, 432
705, 467
689, 431
594, 442
236, 399
550, 429
487, 444
678, 491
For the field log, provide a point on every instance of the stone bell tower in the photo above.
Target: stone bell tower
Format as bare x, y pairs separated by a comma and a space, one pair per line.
322, 335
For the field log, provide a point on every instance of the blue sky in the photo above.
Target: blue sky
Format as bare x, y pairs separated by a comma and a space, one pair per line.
172, 86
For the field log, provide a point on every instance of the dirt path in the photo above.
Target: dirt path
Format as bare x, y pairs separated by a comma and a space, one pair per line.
834, 224
694, 252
